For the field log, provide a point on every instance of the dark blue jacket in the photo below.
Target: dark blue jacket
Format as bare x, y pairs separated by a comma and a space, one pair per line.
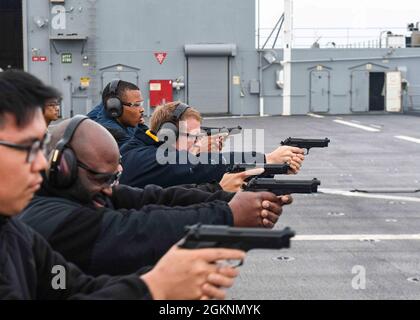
26, 271
134, 230
121, 134
93, 114
141, 166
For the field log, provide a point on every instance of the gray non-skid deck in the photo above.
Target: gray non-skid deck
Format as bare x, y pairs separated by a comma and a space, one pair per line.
355, 159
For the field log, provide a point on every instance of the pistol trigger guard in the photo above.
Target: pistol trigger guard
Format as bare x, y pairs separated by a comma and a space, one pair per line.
240, 263
233, 263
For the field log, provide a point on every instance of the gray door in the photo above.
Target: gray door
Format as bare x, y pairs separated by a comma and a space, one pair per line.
320, 92
208, 86
360, 91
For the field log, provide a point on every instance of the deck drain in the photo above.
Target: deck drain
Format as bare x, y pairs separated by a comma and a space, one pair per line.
284, 258
414, 279
369, 240
336, 214
391, 220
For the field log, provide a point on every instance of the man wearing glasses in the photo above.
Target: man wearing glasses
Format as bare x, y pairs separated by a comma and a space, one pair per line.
144, 156
27, 262
123, 126
51, 110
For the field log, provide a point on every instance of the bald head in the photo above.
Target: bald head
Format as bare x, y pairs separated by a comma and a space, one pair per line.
92, 144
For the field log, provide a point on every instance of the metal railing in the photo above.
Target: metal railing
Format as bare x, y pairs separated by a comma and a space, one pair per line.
372, 37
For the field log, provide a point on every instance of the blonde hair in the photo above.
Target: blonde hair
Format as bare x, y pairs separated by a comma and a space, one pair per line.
164, 113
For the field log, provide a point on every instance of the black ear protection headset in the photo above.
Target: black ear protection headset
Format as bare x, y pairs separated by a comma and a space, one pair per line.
112, 104
62, 172
170, 127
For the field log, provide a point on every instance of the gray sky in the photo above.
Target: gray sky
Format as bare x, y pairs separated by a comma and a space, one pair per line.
341, 21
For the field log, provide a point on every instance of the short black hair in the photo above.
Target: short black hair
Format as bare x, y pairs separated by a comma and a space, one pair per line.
123, 86
21, 94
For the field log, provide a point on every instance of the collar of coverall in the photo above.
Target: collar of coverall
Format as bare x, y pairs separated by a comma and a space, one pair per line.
152, 135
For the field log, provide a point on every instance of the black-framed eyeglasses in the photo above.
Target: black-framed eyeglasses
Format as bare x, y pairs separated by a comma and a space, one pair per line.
52, 105
31, 149
133, 104
103, 178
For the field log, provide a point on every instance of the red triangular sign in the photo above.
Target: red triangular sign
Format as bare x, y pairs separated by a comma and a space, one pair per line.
160, 56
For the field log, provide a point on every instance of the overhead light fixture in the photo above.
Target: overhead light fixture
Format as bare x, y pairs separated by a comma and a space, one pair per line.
35, 51
40, 22
270, 56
